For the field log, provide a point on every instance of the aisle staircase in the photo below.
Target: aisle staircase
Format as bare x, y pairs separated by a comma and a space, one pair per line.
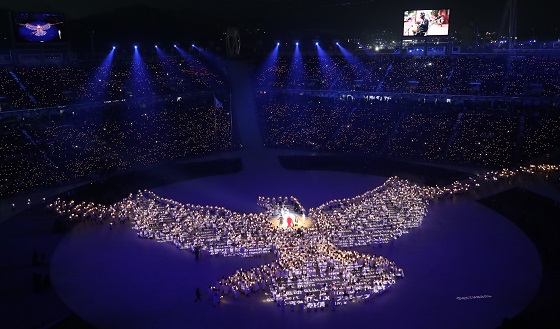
453, 135
22, 86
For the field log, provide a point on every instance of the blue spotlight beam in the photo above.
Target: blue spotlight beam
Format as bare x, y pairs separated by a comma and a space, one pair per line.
140, 81
326, 65
210, 57
296, 68
205, 63
355, 65
97, 87
170, 65
266, 70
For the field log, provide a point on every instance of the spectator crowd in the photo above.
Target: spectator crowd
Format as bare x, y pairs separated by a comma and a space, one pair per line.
71, 122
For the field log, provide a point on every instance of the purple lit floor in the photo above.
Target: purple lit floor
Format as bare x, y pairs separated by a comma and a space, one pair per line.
113, 279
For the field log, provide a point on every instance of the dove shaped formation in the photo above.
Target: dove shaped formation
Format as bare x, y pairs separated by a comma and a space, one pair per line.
314, 266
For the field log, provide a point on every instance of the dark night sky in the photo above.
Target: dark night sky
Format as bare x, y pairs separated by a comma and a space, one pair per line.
535, 18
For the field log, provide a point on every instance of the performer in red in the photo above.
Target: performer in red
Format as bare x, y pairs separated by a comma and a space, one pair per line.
290, 223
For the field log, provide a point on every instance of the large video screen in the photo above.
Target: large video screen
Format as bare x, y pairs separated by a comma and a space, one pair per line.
38, 27
426, 22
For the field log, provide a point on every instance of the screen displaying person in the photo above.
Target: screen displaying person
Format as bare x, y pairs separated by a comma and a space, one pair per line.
423, 25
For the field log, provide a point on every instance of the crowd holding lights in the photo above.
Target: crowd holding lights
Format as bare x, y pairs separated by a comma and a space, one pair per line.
490, 72
58, 141
45, 86
485, 138
496, 75
316, 73
365, 131
471, 133
310, 271
363, 74
466, 131
15, 97
541, 134
533, 75
24, 166
110, 138
421, 135
425, 75
40, 150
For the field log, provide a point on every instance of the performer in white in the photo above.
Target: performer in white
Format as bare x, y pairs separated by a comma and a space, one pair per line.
283, 218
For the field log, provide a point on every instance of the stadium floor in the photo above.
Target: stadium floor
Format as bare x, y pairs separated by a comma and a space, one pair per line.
465, 267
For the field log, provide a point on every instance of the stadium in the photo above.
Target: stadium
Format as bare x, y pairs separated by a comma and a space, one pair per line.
219, 172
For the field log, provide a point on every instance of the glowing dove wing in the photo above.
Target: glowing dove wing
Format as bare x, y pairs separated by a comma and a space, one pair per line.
375, 217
